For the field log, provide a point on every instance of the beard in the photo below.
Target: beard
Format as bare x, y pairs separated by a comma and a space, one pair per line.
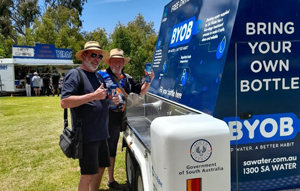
91, 66
117, 70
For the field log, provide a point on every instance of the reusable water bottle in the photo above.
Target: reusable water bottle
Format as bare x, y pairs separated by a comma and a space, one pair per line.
111, 93
148, 71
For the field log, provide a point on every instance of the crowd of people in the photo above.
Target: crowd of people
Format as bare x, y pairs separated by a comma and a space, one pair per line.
100, 124
46, 84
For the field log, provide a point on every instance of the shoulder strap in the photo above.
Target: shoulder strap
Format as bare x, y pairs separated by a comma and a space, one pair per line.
81, 92
65, 118
80, 81
115, 80
100, 79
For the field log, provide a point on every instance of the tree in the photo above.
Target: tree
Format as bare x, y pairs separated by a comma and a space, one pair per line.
100, 36
138, 42
69, 4
3, 48
121, 38
58, 22
16, 16
59, 27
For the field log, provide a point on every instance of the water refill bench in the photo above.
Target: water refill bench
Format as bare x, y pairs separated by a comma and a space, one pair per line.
237, 61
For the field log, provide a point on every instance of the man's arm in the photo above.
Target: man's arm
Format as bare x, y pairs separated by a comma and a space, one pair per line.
77, 100
145, 87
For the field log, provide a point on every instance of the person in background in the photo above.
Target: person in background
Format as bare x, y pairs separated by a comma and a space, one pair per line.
41, 85
28, 85
55, 82
46, 82
36, 83
92, 105
116, 62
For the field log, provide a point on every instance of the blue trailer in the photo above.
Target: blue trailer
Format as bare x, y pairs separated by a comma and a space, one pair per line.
237, 61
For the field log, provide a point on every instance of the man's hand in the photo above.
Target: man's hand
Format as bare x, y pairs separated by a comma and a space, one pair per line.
116, 99
151, 75
100, 93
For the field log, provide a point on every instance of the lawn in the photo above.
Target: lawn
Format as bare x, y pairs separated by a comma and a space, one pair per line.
30, 157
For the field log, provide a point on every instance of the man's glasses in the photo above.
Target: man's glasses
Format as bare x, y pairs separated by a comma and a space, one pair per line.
94, 55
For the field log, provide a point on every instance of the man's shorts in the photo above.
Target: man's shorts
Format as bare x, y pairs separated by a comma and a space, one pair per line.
95, 155
114, 134
55, 86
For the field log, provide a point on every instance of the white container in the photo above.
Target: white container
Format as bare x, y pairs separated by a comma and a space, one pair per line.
190, 152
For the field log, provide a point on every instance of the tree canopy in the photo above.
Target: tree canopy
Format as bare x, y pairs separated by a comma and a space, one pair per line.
58, 22
137, 39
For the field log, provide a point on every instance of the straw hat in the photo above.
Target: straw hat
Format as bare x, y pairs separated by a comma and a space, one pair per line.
91, 45
116, 53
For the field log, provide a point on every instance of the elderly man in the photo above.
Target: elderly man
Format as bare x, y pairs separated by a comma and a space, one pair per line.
90, 104
112, 76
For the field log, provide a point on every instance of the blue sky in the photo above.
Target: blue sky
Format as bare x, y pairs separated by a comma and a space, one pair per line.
107, 13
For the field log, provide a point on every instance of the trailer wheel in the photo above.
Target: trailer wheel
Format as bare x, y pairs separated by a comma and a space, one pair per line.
139, 180
130, 171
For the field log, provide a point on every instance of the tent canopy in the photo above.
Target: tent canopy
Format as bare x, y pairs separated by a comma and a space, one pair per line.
36, 62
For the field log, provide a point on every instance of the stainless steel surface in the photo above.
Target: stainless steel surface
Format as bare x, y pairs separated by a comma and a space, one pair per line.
142, 110
141, 126
161, 108
151, 107
135, 105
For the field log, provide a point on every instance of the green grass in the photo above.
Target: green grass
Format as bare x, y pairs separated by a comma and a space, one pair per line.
30, 157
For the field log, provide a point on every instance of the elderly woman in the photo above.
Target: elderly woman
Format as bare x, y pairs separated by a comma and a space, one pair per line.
36, 83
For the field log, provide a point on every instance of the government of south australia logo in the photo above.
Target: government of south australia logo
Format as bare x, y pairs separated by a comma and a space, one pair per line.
201, 150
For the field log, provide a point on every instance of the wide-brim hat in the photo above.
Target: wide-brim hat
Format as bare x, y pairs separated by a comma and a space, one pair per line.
116, 53
91, 45
35, 73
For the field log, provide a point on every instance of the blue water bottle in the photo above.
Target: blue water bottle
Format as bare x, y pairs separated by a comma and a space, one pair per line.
148, 71
112, 90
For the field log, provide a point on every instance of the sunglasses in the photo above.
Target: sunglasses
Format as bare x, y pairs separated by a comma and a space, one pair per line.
94, 55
